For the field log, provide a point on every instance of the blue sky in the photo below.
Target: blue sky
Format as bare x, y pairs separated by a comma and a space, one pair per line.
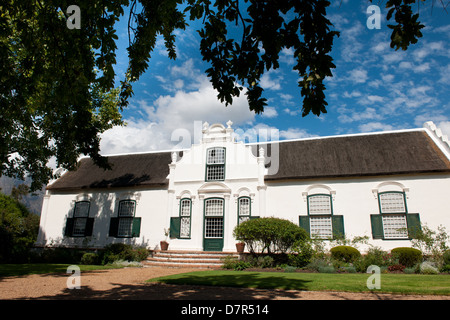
374, 87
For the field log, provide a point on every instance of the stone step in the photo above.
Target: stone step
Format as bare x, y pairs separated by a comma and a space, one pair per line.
192, 259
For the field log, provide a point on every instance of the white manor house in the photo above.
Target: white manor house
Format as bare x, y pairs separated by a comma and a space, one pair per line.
382, 185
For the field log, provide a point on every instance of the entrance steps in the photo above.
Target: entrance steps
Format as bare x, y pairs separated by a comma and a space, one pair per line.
187, 259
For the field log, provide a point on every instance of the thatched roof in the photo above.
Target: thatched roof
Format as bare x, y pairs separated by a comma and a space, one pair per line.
150, 169
408, 152
360, 155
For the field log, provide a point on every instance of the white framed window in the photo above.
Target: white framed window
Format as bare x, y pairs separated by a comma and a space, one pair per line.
395, 226
185, 214
126, 213
213, 207
244, 209
80, 215
214, 218
215, 164
392, 202
321, 222
321, 227
319, 204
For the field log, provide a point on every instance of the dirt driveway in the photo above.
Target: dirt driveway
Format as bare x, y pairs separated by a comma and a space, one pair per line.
129, 283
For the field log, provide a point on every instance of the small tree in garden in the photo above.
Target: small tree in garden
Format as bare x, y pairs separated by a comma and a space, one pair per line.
273, 235
431, 242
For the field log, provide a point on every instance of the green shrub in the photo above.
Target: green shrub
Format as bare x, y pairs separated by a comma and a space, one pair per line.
445, 268
90, 258
120, 251
290, 269
271, 234
407, 256
349, 269
446, 257
302, 254
409, 270
345, 253
326, 269
317, 263
229, 262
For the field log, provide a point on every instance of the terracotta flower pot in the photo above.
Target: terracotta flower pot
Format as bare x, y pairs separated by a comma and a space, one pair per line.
240, 247
164, 245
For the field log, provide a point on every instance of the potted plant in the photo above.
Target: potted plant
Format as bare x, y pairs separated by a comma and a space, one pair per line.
164, 244
240, 247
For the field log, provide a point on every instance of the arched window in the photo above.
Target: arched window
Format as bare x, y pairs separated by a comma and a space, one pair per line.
185, 218
244, 209
393, 221
321, 222
80, 224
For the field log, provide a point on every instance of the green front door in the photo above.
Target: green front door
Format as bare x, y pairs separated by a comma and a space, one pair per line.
213, 226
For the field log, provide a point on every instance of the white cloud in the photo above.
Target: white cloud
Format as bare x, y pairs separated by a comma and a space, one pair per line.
374, 126
349, 116
268, 82
445, 127
287, 56
269, 112
358, 75
429, 48
295, 133
175, 114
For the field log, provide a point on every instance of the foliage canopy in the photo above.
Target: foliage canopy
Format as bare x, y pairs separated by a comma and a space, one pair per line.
57, 85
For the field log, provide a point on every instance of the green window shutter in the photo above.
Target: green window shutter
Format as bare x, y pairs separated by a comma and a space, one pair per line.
89, 227
114, 227
69, 227
377, 226
338, 226
303, 222
413, 222
136, 228
175, 225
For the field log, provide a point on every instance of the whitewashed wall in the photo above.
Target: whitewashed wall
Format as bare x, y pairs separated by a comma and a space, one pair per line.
355, 199
151, 206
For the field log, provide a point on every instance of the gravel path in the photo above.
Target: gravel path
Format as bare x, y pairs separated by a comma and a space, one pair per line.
129, 283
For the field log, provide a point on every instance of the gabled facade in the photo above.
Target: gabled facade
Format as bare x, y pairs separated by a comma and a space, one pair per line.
382, 185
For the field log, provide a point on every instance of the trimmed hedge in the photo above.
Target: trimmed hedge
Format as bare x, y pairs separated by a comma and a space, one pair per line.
345, 253
407, 256
271, 234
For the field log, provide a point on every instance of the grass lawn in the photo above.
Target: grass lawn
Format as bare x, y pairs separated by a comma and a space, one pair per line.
353, 282
7, 270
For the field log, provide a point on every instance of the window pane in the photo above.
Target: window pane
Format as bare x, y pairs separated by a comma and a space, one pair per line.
319, 204
244, 206
394, 226
125, 226
126, 208
392, 202
81, 209
216, 156
215, 172
214, 207
185, 208
321, 227
79, 226
185, 228
214, 228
